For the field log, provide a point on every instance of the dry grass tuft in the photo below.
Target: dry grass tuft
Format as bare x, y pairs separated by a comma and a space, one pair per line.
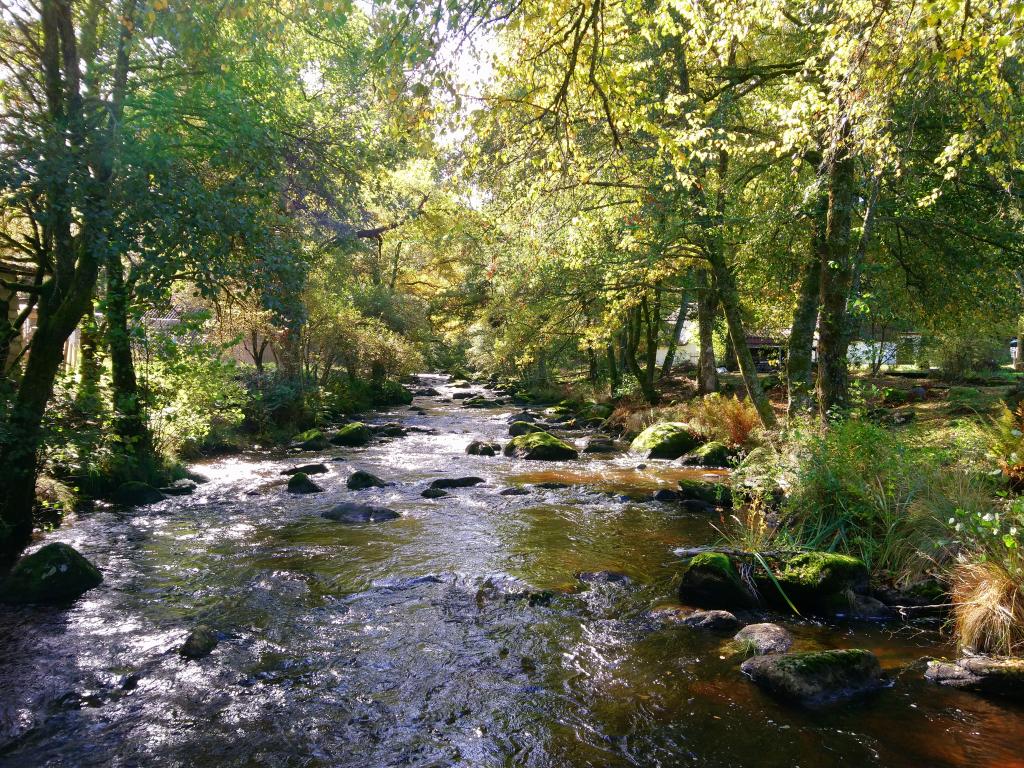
988, 612
728, 419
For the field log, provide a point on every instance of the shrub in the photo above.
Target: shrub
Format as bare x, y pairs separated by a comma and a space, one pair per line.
725, 419
988, 582
1005, 436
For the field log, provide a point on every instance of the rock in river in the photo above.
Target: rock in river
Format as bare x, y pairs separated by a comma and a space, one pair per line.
353, 434
300, 483
348, 512
307, 469
457, 482
540, 446
816, 677
55, 573
433, 493
981, 674
599, 445
667, 440
359, 480
136, 494
482, 448
517, 428
762, 639
710, 580
200, 642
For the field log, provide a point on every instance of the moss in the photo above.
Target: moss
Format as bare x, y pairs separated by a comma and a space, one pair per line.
714, 454
716, 494
710, 580
353, 434
300, 483
309, 434
55, 573
816, 582
540, 446
667, 440
815, 677
517, 428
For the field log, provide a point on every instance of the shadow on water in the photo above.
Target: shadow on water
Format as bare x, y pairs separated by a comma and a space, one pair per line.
455, 635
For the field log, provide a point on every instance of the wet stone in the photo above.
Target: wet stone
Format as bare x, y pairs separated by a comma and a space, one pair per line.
348, 512
200, 642
359, 480
761, 639
307, 469
816, 677
433, 493
514, 492
456, 482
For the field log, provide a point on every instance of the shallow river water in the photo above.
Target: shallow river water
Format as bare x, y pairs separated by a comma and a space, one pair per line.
457, 635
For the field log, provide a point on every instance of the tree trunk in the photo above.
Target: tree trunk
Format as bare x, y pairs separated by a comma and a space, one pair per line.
1018, 363
836, 283
728, 295
677, 329
130, 426
634, 331
613, 371
707, 306
799, 367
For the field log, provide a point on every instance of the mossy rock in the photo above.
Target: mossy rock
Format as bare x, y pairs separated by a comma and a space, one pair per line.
816, 677
311, 440
816, 582
713, 454
599, 411
137, 494
540, 446
715, 494
483, 448
668, 440
354, 434
517, 428
53, 574
710, 581
999, 676
309, 434
361, 479
300, 483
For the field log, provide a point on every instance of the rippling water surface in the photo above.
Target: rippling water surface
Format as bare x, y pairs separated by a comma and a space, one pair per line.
457, 635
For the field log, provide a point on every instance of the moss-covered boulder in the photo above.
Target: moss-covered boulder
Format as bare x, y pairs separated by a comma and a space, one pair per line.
517, 428
668, 440
540, 446
300, 483
816, 677
713, 493
598, 411
483, 448
354, 434
136, 494
53, 574
713, 454
710, 580
200, 642
981, 674
816, 582
311, 440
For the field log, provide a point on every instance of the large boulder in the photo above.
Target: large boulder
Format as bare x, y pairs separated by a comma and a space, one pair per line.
55, 573
816, 677
359, 480
517, 428
347, 512
762, 639
981, 674
354, 434
136, 494
599, 445
711, 581
668, 440
816, 582
540, 446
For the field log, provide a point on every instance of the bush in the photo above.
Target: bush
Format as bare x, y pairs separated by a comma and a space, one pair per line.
988, 582
1005, 436
724, 419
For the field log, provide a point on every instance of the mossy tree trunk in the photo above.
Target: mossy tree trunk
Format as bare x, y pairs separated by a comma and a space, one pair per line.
707, 308
799, 359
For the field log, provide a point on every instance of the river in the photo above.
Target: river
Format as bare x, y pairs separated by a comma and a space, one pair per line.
457, 635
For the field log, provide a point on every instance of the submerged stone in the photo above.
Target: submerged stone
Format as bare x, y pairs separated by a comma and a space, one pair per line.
359, 480
816, 677
433, 493
667, 440
348, 512
136, 494
540, 446
603, 577
54, 573
354, 434
200, 642
514, 492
